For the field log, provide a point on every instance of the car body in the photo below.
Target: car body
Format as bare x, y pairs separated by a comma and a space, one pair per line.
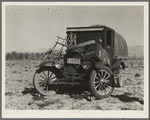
94, 54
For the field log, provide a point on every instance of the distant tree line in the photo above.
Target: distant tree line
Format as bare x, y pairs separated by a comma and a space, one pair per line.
40, 56
21, 56
24, 56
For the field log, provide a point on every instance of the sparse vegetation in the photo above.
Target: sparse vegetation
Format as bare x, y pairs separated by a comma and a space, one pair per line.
137, 75
14, 71
21, 94
9, 93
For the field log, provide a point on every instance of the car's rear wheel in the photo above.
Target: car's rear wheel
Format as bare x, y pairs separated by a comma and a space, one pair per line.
45, 80
101, 82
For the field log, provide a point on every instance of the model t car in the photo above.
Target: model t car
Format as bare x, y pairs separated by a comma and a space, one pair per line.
94, 55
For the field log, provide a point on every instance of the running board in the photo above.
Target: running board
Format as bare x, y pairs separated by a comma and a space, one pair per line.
70, 80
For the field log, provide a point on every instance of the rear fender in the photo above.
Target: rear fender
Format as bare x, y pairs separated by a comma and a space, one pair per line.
119, 64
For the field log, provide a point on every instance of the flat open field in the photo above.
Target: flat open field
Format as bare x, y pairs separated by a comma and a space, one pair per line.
21, 95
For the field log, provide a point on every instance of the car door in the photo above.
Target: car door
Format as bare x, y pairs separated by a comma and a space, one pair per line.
109, 46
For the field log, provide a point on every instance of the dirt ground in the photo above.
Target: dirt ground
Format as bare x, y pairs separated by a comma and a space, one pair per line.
21, 95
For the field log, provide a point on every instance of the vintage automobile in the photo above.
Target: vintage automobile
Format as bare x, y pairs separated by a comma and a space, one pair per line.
94, 55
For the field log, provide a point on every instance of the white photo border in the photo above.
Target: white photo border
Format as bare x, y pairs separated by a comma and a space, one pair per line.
80, 113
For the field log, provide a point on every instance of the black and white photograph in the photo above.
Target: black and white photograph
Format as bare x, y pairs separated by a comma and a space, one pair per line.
75, 60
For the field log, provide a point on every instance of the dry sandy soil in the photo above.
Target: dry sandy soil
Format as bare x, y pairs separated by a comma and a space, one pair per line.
21, 95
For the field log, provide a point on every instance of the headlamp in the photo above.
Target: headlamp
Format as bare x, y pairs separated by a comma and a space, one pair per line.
86, 65
58, 64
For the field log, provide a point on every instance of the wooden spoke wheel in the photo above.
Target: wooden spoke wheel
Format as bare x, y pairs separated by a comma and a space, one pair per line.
45, 80
101, 82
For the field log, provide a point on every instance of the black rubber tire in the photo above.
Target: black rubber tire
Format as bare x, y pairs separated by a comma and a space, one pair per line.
93, 81
36, 81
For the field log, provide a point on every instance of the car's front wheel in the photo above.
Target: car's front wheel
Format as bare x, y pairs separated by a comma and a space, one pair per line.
101, 82
45, 80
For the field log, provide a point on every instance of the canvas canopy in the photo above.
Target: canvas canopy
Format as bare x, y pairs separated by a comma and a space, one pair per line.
121, 49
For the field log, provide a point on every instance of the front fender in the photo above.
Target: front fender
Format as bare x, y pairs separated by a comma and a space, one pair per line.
99, 65
46, 63
48, 68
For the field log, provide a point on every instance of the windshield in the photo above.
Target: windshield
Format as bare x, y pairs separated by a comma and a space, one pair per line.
86, 36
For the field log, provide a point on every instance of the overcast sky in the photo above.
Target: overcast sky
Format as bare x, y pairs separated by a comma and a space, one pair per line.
34, 28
